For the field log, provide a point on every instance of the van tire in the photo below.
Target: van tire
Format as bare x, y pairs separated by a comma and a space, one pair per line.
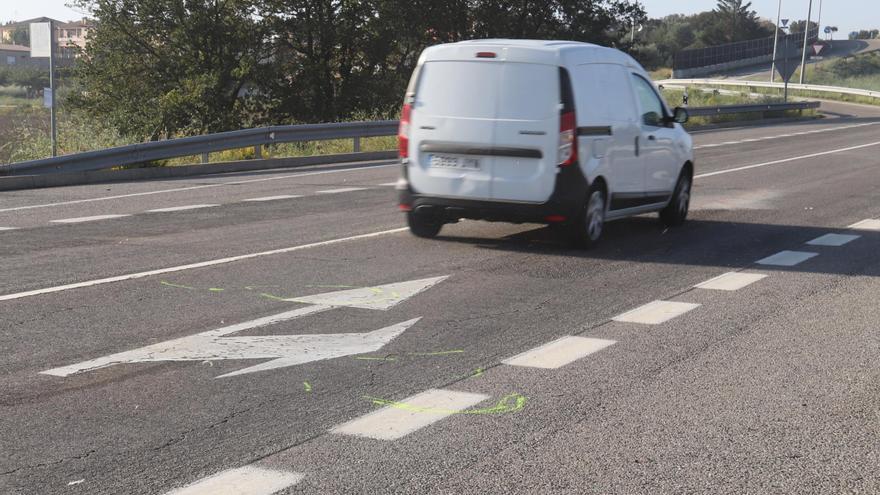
420, 226
587, 229
676, 211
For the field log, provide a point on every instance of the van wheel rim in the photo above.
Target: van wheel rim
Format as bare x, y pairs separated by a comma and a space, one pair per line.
684, 196
595, 215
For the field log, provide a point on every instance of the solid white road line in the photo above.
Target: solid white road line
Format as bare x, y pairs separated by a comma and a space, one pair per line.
88, 219
787, 258
656, 312
341, 190
410, 414
766, 138
731, 281
248, 480
389, 184
786, 160
558, 353
180, 208
869, 224
271, 198
835, 240
192, 188
202, 264
8, 228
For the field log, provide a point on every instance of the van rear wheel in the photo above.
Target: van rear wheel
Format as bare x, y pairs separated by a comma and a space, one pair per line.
421, 226
676, 211
587, 229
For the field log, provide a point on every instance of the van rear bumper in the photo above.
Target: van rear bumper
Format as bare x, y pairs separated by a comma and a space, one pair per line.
565, 204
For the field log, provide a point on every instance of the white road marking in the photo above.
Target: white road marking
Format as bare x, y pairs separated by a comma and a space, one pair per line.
869, 224
765, 138
7, 228
786, 160
559, 353
89, 219
389, 184
380, 298
656, 312
281, 350
731, 281
202, 264
787, 258
192, 188
410, 414
180, 208
833, 240
248, 480
341, 190
271, 198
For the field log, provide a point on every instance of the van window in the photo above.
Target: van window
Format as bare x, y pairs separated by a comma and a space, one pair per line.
652, 107
488, 90
603, 94
459, 89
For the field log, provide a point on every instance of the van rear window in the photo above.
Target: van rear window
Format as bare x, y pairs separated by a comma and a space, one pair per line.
488, 90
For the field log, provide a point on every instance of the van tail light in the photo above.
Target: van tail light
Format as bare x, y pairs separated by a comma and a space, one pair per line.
567, 139
403, 131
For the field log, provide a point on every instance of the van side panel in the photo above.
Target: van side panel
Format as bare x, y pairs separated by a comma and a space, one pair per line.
604, 99
527, 120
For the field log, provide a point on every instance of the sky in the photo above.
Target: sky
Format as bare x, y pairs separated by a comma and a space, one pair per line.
847, 15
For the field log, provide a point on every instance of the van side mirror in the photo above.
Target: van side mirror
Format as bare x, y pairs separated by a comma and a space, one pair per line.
680, 115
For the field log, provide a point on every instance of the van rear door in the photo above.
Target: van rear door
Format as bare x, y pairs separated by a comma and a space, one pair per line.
452, 125
526, 140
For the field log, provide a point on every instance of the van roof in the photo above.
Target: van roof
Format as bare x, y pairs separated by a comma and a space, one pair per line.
551, 52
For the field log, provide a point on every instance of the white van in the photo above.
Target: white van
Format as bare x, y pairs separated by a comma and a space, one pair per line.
552, 132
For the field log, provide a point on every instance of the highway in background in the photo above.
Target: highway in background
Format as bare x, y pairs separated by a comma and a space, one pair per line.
138, 319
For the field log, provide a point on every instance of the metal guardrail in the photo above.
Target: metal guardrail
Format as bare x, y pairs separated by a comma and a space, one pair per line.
758, 84
766, 107
202, 145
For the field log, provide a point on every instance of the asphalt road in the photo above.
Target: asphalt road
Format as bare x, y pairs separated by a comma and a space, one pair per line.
769, 388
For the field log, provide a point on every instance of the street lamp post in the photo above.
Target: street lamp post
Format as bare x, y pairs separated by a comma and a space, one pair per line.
806, 37
775, 43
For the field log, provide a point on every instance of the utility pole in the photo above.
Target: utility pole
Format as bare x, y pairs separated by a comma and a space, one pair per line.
52, 87
819, 20
806, 38
775, 43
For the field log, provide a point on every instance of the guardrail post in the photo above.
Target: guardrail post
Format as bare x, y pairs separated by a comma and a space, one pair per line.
258, 152
357, 144
204, 157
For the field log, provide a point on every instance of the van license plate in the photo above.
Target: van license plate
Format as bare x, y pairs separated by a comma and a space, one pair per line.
445, 161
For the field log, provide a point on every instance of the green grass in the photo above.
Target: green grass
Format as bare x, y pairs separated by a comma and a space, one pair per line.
698, 98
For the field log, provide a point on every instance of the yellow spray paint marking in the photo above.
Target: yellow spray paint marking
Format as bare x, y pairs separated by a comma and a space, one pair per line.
371, 358
169, 284
477, 373
438, 353
272, 297
508, 404
307, 386
213, 289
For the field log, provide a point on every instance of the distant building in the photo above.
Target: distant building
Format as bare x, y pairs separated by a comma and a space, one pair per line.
68, 35
19, 56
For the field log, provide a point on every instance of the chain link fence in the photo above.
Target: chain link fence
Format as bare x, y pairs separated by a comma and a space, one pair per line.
732, 52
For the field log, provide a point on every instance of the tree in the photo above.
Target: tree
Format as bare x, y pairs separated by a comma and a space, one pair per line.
160, 68
21, 36
798, 26
735, 21
32, 79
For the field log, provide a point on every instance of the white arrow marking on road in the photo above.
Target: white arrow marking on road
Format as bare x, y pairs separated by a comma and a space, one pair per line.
282, 350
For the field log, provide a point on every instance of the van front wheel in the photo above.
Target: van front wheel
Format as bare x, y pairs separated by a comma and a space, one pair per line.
676, 211
420, 226
587, 230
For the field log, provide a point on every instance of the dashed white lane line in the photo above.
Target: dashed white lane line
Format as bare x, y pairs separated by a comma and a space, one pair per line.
559, 353
786, 160
389, 184
89, 219
731, 281
7, 228
793, 134
192, 188
248, 480
411, 414
656, 312
180, 208
341, 190
271, 198
869, 224
834, 240
787, 258
191, 266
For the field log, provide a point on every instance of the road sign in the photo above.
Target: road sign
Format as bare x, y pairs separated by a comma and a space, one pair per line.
817, 48
47, 97
827, 29
41, 39
784, 22
280, 350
